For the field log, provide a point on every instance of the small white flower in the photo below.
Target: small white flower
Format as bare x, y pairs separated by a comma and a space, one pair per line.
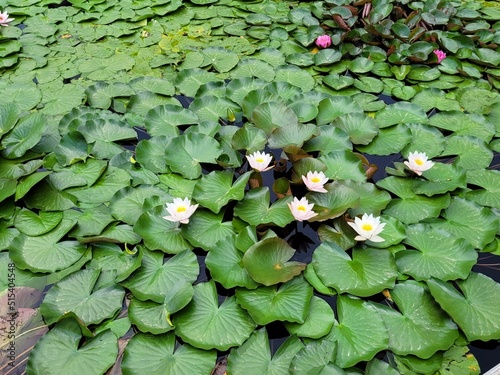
315, 181
180, 210
418, 163
4, 19
368, 228
301, 209
260, 161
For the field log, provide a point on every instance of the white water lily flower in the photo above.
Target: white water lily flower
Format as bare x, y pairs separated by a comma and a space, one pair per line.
260, 161
315, 181
418, 163
368, 228
180, 210
301, 209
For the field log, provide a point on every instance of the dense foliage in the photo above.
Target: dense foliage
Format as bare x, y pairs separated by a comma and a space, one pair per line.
111, 109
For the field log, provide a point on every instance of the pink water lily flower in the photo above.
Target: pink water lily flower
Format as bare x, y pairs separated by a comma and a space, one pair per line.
259, 161
4, 19
301, 209
324, 41
440, 55
315, 181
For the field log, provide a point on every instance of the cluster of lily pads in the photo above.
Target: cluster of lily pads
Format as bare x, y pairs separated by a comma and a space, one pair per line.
159, 160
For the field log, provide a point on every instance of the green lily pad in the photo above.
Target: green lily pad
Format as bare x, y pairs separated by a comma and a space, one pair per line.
419, 327
388, 141
337, 200
223, 326
474, 309
267, 262
254, 356
186, 152
331, 108
159, 233
47, 253
164, 119
368, 272
343, 165
153, 317
360, 333
76, 294
31, 224
400, 113
225, 262
473, 153
360, 128
469, 220
464, 124
110, 257
157, 355
410, 207
316, 357
9, 114
216, 189
289, 302
155, 278
318, 322
489, 181
96, 356
25, 135
435, 253
255, 209
205, 229
127, 203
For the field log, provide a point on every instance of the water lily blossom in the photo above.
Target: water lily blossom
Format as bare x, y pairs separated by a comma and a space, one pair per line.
368, 228
315, 181
301, 209
180, 210
418, 163
440, 55
260, 161
324, 41
4, 19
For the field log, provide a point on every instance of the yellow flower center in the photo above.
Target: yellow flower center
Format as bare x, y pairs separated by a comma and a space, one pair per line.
419, 162
259, 160
301, 208
315, 179
181, 209
367, 226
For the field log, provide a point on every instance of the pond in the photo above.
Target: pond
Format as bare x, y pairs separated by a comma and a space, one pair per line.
143, 231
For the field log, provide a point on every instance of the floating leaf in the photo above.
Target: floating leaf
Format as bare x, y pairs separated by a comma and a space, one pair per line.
267, 262
223, 326
216, 189
287, 302
318, 322
155, 278
186, 152
63, 342
419, 327
157, 355
474, 309
225, 262
360, 333
368, 272
205, 229
254, 356
255, 210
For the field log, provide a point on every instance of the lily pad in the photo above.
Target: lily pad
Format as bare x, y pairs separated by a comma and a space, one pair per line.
267, 262
368, 272
222, 326
289, 302
157, 355
96, 356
